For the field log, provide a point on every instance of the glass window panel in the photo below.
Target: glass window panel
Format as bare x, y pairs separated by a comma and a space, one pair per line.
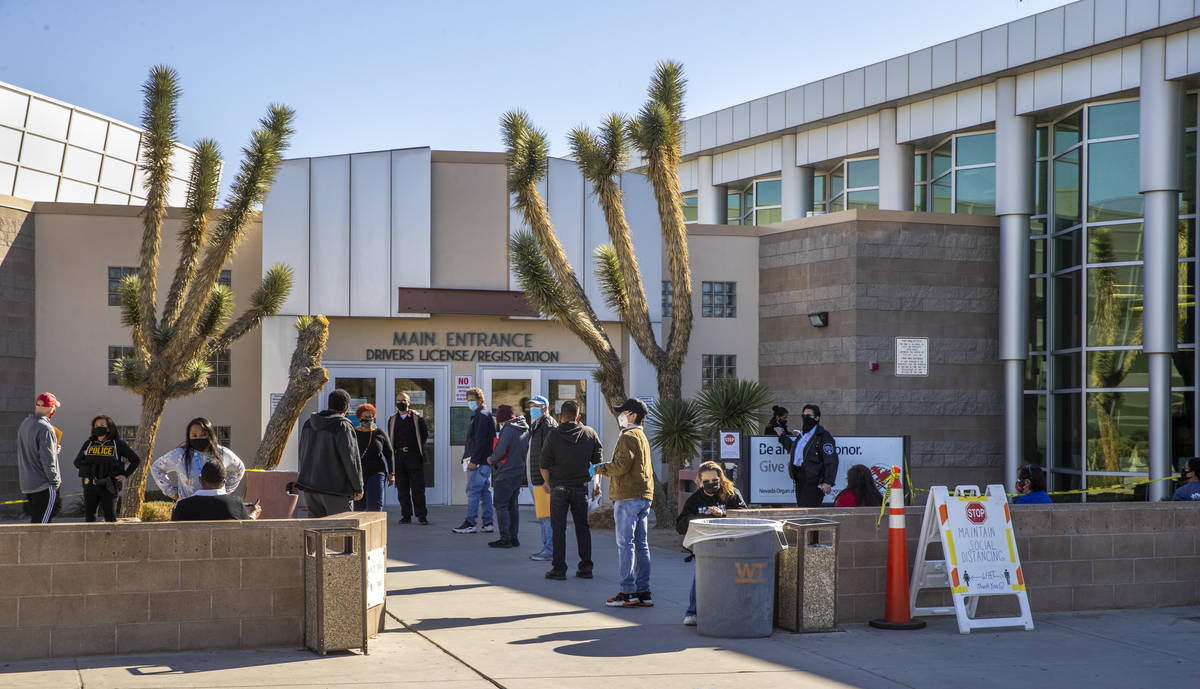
1186, 323
818, 207
1037, 256
1035, 429
1067, 371
422, 396
975, 191
919, 167
1066, 191
919, 198
1066, 324
1035, 373
1114, 119
976, 149
862, 173
733, 211
1113, 181
1067, 250
1037, 315
1067, 432
1114, 243
563, 389
941, 159
691, 208
1063, 482
940, 193
1183, 405
1187, 200
838, 204
768, 216
837, 183
115, 275
1041, 142
1128, 368
818, 189
863, 199
1117, 431
769, 192
1039, 187
1189, 110
1067, 133
1037, 226
115, 354
1114, 306
748, 201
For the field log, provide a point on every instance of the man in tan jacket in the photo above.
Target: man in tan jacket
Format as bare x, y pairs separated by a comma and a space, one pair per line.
631, 488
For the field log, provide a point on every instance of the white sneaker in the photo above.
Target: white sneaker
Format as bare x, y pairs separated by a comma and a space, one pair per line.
487, 528
689, 620
466, 527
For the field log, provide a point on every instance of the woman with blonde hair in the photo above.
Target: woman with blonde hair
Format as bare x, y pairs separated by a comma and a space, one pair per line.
717, 495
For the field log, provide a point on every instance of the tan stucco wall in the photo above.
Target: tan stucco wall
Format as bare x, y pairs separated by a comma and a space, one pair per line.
75, 246
469, 230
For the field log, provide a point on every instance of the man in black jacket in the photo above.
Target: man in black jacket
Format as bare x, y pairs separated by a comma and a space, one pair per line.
569, 453
211, 502
330, 473
481, 436
814, 460
539, 433
409, 432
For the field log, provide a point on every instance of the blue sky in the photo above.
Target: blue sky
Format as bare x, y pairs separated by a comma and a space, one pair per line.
377, 75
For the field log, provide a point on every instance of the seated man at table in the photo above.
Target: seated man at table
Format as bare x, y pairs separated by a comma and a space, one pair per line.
211, 501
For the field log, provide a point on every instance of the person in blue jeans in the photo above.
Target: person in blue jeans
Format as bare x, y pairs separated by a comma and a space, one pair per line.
375, 456
481, 435
508, 467
717, 495
631, 488
541, 426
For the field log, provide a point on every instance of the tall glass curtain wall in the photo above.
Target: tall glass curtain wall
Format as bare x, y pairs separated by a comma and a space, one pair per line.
1087, 387
760, 202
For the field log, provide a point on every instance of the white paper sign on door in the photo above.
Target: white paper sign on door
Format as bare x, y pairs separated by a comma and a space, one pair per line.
461, 385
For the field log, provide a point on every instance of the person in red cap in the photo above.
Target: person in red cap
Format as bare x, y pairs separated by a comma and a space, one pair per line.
37, 460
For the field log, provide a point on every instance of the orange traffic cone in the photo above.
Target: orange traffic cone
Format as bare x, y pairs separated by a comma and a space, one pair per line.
896, 613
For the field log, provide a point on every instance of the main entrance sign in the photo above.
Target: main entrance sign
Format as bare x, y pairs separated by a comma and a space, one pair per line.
470, 347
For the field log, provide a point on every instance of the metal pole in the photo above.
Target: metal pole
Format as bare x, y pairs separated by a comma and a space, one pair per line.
795, 183
895, 166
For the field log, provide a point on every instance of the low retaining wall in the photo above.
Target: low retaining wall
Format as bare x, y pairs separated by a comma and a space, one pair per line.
85, 589
1091, 556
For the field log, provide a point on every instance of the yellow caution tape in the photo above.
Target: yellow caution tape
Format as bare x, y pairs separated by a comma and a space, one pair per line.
23, 500
1121, 490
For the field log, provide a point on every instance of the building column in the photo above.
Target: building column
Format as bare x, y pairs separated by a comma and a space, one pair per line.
711, 204
1160, 162
1014, 204
796, 183
895, 166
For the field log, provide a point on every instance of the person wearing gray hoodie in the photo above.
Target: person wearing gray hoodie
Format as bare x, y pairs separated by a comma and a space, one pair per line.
37, 460
508, 468
330, 469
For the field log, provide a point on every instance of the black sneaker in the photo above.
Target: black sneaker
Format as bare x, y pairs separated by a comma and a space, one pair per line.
465, 527
583, 573
405, 520
622, 600
423, 521
515, 543
502, 543
556, 575
643, 599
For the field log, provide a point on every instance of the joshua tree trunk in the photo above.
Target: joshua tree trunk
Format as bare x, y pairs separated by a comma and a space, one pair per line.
306, 377
153, 402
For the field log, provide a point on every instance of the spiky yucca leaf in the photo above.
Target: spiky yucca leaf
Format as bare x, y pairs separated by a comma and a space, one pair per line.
160, 95
163, 332
274, 290
527, 149
675, 428
658, 127
733, 404
129, 296
541, 288
196, 372
204, 180
612, 282
668, 86
217, 311
302, 323
129, 372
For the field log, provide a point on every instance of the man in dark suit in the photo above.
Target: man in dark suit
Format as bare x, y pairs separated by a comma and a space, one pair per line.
409, 432
211, 502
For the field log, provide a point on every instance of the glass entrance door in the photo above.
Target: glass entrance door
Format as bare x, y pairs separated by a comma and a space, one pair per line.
423, 396
363, 385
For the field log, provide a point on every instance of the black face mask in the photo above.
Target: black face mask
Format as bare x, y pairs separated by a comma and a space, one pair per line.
199, 444
402, 406
711, 487
809, 424
98, 433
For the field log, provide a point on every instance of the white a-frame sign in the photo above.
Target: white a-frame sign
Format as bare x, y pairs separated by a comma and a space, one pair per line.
981, 556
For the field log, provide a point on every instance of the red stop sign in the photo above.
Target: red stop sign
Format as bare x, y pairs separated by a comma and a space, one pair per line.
976, 513
728, 438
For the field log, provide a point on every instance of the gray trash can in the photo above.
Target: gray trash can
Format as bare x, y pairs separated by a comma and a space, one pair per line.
806, 584
735, 575
335, 590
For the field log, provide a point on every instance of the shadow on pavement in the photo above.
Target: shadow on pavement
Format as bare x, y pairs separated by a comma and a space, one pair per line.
435, 623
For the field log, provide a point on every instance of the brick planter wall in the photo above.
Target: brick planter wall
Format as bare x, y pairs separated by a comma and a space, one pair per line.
1074, 556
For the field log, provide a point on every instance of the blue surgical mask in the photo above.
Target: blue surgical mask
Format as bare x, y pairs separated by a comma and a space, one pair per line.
535, 413
472, 405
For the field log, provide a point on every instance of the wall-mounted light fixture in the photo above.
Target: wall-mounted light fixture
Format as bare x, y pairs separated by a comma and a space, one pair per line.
819, 319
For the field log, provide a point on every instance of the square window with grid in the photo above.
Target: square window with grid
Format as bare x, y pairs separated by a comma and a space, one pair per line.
224, 435
718, 300
668, 300
127, 433
709, 451
115, 354
115, 275
714, 367
221, 376
226, 278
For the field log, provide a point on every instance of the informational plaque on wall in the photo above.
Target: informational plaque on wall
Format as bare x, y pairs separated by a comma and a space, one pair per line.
912, 356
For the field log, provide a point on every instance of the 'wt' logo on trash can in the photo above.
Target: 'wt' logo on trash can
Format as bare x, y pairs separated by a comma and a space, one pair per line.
748, 572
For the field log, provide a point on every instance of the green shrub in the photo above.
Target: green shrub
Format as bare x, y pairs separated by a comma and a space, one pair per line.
157, 511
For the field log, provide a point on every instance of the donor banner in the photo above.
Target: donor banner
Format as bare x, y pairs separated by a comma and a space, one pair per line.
770, 482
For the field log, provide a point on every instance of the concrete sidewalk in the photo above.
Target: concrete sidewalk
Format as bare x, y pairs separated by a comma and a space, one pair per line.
466, 616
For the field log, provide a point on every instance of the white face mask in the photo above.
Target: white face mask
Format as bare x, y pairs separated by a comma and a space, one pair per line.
623, 419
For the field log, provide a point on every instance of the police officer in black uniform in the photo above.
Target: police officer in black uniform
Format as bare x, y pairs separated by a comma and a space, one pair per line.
814, 460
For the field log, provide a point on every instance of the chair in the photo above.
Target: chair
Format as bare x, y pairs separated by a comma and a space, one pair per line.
274, 491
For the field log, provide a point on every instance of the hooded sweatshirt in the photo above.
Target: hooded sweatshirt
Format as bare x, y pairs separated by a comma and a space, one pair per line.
329, 460
37, 454
569, 452
513, 448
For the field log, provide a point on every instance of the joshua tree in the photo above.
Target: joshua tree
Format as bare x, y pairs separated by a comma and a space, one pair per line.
546, 274
306, 376
171, 352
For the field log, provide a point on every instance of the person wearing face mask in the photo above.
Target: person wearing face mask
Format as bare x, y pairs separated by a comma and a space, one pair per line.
539, 432
37, 460
409, 433
104, 462
631, 487
481, 436
375, 457
177, 473
778, 425
717, 495
1031, 484
814, 464
1190, 490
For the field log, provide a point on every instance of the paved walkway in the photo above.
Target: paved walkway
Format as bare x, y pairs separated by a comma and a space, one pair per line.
465, 616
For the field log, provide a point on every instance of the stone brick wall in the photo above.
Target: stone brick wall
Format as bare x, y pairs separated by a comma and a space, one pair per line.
883, 275
1074, 556
87, 589
16, 336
